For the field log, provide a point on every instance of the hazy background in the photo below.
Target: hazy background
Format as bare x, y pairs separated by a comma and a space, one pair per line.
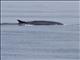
63, 11
53, 42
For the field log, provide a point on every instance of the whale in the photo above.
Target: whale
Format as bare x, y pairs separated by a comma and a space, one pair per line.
39, 22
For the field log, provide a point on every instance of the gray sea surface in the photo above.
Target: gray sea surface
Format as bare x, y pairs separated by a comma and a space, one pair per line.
33, 42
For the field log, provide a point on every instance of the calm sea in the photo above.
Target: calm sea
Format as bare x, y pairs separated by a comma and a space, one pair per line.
40, 42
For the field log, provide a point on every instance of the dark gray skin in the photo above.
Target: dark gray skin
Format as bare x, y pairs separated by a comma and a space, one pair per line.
39, 22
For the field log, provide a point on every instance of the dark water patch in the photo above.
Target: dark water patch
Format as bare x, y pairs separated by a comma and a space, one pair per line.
9, 24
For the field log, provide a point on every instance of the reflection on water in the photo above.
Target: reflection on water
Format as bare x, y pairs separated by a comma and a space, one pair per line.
39, 42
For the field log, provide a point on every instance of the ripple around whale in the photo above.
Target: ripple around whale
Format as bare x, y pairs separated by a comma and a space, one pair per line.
33, 23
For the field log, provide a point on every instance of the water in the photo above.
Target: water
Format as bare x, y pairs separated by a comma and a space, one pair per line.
40, 42
65, 12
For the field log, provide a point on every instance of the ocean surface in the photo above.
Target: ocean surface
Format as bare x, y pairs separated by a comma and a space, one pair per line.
33, 42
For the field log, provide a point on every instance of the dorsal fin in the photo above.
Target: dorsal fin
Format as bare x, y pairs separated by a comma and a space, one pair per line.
19, 21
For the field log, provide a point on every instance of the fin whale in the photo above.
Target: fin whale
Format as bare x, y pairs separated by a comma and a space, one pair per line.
39, 22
